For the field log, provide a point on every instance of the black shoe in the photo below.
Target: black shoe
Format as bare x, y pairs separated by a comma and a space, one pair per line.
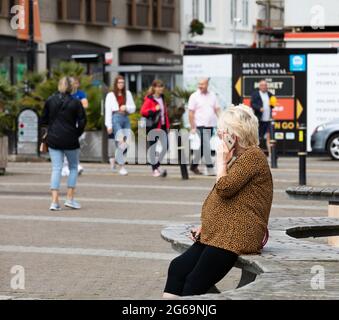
196, 171
163, 173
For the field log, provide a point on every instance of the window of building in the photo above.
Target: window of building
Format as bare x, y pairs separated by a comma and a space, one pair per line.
2, 5
245, 13
196, 11
208, 11
71, 10
99, 11
234, 13
167, 14
151, 14
5, 7
139, 13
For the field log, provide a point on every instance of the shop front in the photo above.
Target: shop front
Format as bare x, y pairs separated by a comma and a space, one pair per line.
13, 59
142, 64
90, 55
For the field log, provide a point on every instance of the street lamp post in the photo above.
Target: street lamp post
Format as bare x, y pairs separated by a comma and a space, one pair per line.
31, 44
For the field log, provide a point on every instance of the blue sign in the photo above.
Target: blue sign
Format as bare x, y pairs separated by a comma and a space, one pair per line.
297, 63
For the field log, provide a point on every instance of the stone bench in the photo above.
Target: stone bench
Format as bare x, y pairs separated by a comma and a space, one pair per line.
287, 266
329, 194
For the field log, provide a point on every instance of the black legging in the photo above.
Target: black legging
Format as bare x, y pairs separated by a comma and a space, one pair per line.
155, 159
198, 269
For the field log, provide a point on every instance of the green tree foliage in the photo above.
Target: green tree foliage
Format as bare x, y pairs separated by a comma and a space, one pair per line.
7, 107
43, 87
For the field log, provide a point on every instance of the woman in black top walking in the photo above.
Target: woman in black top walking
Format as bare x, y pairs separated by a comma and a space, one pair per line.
65, 118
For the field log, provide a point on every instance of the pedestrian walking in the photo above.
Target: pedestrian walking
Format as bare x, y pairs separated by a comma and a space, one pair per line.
82, 97
203, 115
119, 104
262, 103
234, 215
65, 119
155, 111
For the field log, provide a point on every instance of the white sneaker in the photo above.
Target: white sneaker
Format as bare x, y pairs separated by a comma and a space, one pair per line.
123, 171
80, 170
156, 173
65, 172
210, 172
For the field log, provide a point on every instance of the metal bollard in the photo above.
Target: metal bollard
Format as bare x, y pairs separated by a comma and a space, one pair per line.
273, 143
274, 162
302, 155
182, 160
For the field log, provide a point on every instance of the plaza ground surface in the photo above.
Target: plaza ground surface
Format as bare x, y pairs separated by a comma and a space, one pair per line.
112, 249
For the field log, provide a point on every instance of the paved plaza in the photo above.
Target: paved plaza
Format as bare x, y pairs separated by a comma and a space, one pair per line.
112, 249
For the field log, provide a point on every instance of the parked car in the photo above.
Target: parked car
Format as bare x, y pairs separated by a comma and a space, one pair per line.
325, 139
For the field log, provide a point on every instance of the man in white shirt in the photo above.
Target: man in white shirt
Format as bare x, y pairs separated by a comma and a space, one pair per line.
261, 103
203, 115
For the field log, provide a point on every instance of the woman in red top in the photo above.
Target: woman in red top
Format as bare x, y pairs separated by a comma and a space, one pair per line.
154, 110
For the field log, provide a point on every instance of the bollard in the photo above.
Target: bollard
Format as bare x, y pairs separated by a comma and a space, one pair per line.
274, 163
302, 155
181, 155
182, 161
273, 144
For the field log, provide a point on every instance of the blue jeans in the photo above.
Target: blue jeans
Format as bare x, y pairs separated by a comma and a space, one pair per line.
57, 158
121, 130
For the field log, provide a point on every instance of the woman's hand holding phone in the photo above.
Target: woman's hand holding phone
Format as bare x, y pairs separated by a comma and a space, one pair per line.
225, 154
195, 234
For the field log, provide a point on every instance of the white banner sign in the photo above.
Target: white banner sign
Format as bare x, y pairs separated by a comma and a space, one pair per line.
216, 67
323, 91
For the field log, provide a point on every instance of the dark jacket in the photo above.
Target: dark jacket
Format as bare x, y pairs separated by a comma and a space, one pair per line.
257, 103
65, 118
148, 110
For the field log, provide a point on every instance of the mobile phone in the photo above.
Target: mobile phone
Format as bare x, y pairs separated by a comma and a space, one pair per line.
230, 142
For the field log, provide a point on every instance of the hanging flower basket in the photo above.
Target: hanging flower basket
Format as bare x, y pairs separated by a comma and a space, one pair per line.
196, 27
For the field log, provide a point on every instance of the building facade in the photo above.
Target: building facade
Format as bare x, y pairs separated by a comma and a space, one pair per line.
227, 22
140, 37
316, 26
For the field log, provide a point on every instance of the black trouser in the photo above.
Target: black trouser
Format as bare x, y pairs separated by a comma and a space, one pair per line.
198, 269
265, 127
205, 147
155, 158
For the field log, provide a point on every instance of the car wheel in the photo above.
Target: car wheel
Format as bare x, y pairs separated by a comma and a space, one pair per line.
333, 147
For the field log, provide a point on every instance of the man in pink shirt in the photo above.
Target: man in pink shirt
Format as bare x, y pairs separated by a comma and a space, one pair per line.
203, 116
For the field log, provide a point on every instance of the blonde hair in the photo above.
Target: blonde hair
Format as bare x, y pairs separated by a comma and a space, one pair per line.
242, 122
66, 85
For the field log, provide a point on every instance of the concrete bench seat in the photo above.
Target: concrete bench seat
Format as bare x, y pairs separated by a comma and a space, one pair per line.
287, 266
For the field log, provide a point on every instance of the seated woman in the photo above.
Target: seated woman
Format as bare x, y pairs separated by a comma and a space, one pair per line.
234, 215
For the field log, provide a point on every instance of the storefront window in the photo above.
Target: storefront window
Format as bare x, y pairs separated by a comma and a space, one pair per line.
167, 79
20, 68
147, 80
5, 64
